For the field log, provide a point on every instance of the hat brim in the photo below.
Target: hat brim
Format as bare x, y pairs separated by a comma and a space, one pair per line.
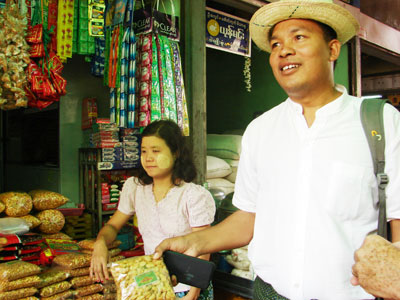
333, 15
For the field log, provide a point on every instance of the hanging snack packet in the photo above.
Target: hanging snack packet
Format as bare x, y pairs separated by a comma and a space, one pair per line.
155, 85
168, 79
141, 277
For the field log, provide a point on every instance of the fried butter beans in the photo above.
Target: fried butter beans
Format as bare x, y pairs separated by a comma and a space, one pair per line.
88, 290
92, 297
88, 244
60, 296
17, 294
29, 281
55, 288
142, 278
80, 272
52, 276
73, 260
81, 281
17, 269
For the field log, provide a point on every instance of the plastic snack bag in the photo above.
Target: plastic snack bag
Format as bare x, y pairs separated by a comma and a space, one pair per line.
141, 277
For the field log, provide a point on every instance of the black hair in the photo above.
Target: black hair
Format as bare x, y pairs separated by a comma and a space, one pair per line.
184, 168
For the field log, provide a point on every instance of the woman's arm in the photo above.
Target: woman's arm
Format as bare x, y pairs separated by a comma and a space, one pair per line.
98, 266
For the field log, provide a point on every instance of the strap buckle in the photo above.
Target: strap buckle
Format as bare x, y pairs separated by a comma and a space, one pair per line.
383, 180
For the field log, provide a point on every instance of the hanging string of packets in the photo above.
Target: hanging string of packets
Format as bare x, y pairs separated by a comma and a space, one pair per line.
144, 73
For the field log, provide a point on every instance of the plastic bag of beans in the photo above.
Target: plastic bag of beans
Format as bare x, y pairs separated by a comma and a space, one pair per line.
17, 204
31, 220
88, 290
43, 199
88, 244
28, 281
142, 277
55, 288
18, 294
60, 296
72, 260
52, 276
13, 270
52, 221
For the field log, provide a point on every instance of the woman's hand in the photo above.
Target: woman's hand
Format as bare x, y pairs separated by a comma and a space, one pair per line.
98, 265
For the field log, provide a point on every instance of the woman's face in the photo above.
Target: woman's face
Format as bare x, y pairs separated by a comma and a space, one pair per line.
156, 157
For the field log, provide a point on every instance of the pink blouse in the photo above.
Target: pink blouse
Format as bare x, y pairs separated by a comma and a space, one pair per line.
185, 206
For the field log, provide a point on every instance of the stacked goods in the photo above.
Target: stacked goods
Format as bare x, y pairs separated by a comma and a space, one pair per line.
87, 247
225, 147
24, 247
54, 285
131, 143
142, 277
105, 134
18, 279
77, 265
53, 247
43, 203
240, 262
78, 227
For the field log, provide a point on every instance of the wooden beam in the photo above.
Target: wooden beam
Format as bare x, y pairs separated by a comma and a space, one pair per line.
355, 65
194, 26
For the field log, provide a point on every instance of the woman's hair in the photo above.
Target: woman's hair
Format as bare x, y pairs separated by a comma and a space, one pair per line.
184, 168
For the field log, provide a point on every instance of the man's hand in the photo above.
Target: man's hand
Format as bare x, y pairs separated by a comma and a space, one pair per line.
183, 244
377, 268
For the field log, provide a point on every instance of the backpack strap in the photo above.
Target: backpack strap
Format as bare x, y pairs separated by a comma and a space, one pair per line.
372, 121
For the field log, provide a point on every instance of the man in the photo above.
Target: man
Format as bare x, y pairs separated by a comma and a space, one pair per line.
305, 189
377, 267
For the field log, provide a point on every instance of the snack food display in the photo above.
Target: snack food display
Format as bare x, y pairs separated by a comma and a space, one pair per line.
141, 277
31, 220
88, 244
52, 276
18, 294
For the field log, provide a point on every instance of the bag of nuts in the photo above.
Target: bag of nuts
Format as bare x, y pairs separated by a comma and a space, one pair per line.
43, 199
142, 277
88, 244
17, 204
52, 276
17, 269
31, 220
52, 220
28, 281
60, 296
55, 288
18, 294
72, 260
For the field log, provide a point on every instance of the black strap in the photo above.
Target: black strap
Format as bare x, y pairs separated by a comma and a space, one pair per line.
372, 121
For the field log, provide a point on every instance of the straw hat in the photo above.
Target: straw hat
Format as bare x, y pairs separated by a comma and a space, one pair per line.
324, 11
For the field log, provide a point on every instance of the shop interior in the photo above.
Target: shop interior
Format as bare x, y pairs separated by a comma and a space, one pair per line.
39, 148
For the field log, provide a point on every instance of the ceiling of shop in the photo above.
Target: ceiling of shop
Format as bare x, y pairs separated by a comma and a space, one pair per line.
374, 61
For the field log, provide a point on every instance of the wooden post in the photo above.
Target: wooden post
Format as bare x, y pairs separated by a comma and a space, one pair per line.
355, 63
194, 65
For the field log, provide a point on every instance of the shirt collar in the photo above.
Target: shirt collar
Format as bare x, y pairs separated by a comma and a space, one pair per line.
332, 107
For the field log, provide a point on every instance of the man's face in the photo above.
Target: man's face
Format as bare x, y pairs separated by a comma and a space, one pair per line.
300, 57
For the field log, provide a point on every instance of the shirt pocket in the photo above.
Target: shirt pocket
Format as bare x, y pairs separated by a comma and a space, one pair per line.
349, 190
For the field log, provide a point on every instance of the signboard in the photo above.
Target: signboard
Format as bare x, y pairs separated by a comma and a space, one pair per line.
227, 33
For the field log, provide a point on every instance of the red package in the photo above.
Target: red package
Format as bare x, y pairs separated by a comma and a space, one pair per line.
145, 73
146, 58
144, 103
37, 50
59, 83
35, 34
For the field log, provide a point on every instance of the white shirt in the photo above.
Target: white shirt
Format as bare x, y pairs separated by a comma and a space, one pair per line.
314, 194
